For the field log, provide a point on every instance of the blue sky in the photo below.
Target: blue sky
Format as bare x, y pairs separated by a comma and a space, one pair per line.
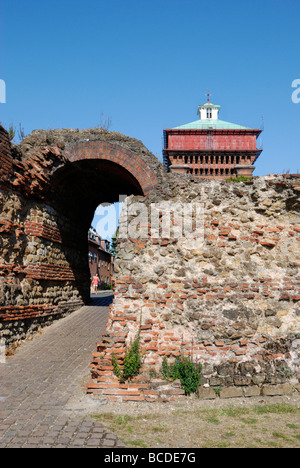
147, 66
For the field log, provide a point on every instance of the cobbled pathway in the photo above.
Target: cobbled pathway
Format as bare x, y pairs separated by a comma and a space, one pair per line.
43, 403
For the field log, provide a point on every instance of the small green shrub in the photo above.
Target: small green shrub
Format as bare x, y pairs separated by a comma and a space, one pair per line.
184, 369
106, 286
166, 369
239, 179
132, 361
116, 366
152, 374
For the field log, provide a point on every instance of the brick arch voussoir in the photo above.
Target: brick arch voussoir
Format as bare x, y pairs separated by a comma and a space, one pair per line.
129, 160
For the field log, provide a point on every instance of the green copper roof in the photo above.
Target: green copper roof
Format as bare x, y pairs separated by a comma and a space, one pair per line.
210, 123
210, 104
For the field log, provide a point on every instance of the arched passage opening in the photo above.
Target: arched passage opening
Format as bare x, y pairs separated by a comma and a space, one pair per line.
93, 174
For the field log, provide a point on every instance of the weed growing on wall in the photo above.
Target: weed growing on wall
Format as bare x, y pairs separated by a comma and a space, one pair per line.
184, 369
132, 361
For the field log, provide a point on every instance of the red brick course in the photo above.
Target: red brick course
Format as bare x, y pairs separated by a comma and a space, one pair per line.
43, 230
11, 313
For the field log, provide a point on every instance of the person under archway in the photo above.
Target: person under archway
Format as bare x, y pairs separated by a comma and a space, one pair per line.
95, 283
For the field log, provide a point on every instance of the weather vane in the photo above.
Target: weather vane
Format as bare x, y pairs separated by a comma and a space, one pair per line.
208, 95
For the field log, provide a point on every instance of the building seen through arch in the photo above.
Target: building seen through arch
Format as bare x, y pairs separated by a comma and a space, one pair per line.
100, 259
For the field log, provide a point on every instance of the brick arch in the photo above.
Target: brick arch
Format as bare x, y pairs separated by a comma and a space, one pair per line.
129, 160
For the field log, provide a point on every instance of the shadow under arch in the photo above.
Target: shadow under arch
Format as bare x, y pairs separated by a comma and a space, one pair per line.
102, 300
78, 187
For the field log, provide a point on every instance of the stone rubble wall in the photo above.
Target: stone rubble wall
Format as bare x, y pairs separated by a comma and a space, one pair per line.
37, 283
232, 304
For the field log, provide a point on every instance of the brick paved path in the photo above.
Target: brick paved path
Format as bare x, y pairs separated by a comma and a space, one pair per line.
43, 403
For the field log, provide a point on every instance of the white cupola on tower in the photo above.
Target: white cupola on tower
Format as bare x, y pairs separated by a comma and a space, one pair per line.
208, 111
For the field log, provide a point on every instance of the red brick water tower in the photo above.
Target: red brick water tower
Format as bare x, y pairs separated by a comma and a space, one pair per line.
211, 148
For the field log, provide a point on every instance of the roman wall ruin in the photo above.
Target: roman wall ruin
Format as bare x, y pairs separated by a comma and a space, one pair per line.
227, 294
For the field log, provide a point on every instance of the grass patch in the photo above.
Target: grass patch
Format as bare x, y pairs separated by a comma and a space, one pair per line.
229, 434
292, 426
239, 179
249, 420
136, 443
213, 420
235, 412
279, 408
275, 425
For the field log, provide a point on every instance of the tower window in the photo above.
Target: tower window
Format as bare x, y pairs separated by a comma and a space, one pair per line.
209, 114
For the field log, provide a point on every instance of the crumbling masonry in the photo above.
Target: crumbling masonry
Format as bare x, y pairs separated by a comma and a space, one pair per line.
232, 301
